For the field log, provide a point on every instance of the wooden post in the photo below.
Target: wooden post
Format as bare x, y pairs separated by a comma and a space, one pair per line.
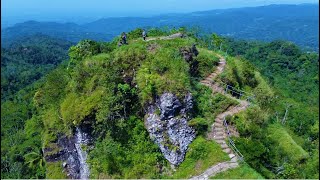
286, 113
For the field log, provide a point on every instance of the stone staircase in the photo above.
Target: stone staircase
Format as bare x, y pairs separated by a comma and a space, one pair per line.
218, 131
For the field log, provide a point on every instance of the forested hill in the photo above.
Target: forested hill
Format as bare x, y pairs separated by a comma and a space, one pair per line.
29, 58
296, 23
139, 110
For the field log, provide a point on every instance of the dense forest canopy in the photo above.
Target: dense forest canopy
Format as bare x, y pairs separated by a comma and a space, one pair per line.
28, 59
107, 87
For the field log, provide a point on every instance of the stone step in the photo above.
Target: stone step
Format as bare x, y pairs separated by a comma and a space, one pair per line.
220, 116
220, 133
219, 124
231, 156
206, 84
233, 164
218, 128
219, 137
219, 119
227, 150
221, 141
234, 159
224, 146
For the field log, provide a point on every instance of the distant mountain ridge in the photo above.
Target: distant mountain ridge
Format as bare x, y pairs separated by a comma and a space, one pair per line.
296, 23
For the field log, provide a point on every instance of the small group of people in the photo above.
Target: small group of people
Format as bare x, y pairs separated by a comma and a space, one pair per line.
123, 39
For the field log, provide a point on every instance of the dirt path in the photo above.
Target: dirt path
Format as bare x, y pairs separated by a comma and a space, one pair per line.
218, 132
172, 36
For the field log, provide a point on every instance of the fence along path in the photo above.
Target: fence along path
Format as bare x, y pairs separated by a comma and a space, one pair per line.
220, 131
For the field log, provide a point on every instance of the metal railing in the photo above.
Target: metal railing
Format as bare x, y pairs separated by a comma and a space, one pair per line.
228, 88
231, 142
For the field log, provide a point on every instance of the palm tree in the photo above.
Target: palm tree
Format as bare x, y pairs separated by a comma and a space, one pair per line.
34, 160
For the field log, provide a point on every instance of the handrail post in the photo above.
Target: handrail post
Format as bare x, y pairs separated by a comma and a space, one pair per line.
231, 143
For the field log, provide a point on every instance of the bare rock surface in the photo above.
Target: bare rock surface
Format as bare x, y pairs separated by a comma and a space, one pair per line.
167, 124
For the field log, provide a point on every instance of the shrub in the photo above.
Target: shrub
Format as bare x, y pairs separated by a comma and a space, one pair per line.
163, 72
199, 124
84, 49
207, 61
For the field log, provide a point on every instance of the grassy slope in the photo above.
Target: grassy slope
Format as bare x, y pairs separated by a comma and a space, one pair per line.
244, 171
201, 155
280, 136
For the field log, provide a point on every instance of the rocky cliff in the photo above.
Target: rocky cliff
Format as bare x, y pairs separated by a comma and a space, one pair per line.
167, 124
71, 153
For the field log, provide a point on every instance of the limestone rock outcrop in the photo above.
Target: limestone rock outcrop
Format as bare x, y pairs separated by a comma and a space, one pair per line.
167, 124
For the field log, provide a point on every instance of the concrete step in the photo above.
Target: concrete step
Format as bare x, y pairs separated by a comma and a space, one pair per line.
219, 119
220, 124
227, 150
224, 146
218, 128
220, 116
231, 156
220, 141
205, 82
220, 133
219, 138
233, 164
234, 159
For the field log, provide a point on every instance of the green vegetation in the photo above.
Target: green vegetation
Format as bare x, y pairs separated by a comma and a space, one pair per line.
22, 63
207, 61
164, 71
136, 158
201, 155
293, 74
55, 170
108, 88
242, 172
287, 145
207, 105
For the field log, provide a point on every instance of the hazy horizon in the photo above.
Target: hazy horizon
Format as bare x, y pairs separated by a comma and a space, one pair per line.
82, 11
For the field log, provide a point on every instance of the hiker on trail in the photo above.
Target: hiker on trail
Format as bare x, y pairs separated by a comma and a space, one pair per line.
194, 49
124, 38
144, 35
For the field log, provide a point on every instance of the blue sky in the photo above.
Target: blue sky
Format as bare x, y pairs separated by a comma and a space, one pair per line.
66, 9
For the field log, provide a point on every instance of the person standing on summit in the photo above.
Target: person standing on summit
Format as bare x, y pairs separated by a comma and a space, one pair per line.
124, 38
144, 35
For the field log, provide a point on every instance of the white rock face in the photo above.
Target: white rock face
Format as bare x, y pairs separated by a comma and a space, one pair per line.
170, 130
82, 155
